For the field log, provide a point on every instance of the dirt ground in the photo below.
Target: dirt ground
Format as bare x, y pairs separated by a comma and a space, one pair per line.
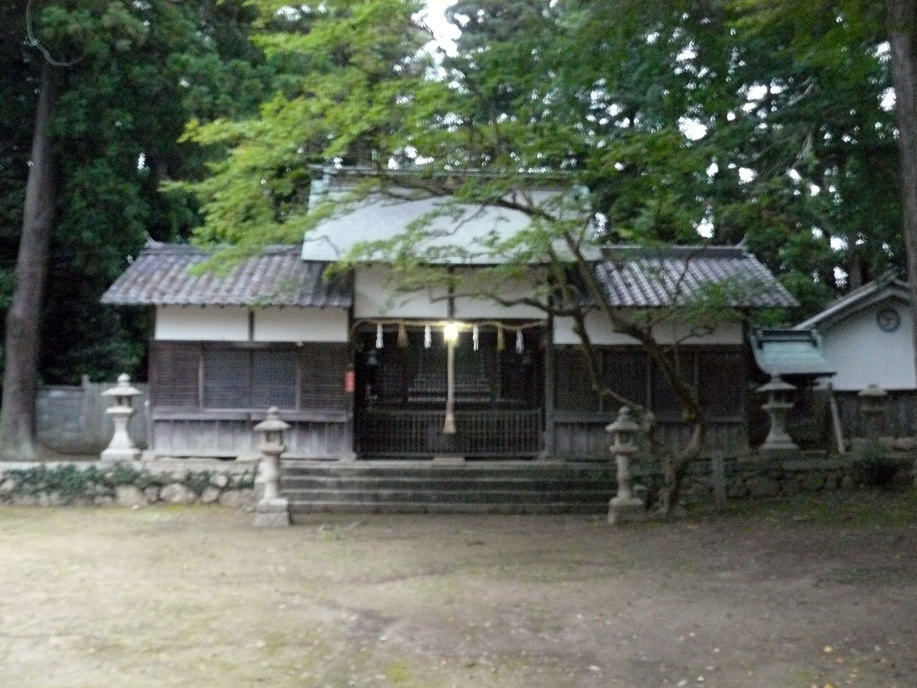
813, 593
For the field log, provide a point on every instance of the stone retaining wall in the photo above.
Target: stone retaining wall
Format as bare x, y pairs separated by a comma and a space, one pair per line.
136, 484
234, 484
737, 479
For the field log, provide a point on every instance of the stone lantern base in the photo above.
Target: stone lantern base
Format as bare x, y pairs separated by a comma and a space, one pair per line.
621, 510
272, 513
113, 455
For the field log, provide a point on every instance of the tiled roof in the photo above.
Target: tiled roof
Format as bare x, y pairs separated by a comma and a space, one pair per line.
161, 275
638, 277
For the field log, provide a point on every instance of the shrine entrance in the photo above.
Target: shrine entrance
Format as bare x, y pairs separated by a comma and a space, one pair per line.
471, 389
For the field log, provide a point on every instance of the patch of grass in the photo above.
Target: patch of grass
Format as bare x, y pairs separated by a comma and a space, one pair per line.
865, 508
400, 674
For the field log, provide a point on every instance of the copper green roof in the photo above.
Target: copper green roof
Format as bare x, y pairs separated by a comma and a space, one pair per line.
782, 352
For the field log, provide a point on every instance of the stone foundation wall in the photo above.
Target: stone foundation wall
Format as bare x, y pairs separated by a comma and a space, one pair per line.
738, 479
228, 484
234, 484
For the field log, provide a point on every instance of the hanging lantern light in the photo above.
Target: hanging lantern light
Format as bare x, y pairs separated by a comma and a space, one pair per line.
474, 337
427, 337
402, 336
451, 332
520, 344
379, 343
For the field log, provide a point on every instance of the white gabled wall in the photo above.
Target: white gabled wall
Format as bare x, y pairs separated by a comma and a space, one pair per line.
374, 298
863, 354
601, 332
469, 308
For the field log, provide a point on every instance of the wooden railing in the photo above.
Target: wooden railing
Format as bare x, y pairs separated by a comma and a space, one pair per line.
479, 434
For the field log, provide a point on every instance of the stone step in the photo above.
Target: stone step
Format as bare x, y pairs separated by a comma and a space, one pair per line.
505, 487
313, 507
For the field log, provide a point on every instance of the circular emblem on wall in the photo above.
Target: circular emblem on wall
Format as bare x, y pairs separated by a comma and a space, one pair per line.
888, 319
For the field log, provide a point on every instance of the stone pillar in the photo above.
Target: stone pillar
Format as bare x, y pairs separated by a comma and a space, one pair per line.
778, 405
872, 408
272, 510
121, 447
624, 506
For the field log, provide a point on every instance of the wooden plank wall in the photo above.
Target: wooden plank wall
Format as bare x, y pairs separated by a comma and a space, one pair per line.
585, 440
898, 420
231, 437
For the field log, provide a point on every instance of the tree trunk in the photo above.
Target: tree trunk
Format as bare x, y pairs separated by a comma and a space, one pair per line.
20, 373
902, 24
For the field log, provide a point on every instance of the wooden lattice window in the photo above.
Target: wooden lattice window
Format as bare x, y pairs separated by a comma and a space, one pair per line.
625, 373
572, 383
227, 378
175, 374
721, 383
273, 379
718, 376
236, 377
322, 367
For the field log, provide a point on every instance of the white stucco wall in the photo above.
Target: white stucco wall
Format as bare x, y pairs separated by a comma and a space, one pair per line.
864, 354
201, 323
601, 332
301, 325
212, 323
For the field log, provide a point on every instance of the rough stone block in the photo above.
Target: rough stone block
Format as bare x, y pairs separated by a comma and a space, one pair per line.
210, 495
761, 486
176, 493
236, 498
813, 482
129, 495
219, 480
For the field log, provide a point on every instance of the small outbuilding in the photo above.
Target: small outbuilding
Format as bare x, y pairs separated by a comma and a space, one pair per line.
867, 337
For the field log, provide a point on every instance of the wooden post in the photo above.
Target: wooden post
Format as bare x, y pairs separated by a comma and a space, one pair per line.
718, 476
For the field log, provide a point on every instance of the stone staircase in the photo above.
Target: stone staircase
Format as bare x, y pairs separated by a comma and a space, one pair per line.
515, 487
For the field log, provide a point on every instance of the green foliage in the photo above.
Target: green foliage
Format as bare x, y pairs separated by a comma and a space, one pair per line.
198, 481
342, 69
131, 75
68, 481
875, 467
791, 151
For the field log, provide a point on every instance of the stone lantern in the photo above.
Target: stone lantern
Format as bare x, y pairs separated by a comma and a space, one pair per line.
778, 406
624, 506
272, 510
121, 447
